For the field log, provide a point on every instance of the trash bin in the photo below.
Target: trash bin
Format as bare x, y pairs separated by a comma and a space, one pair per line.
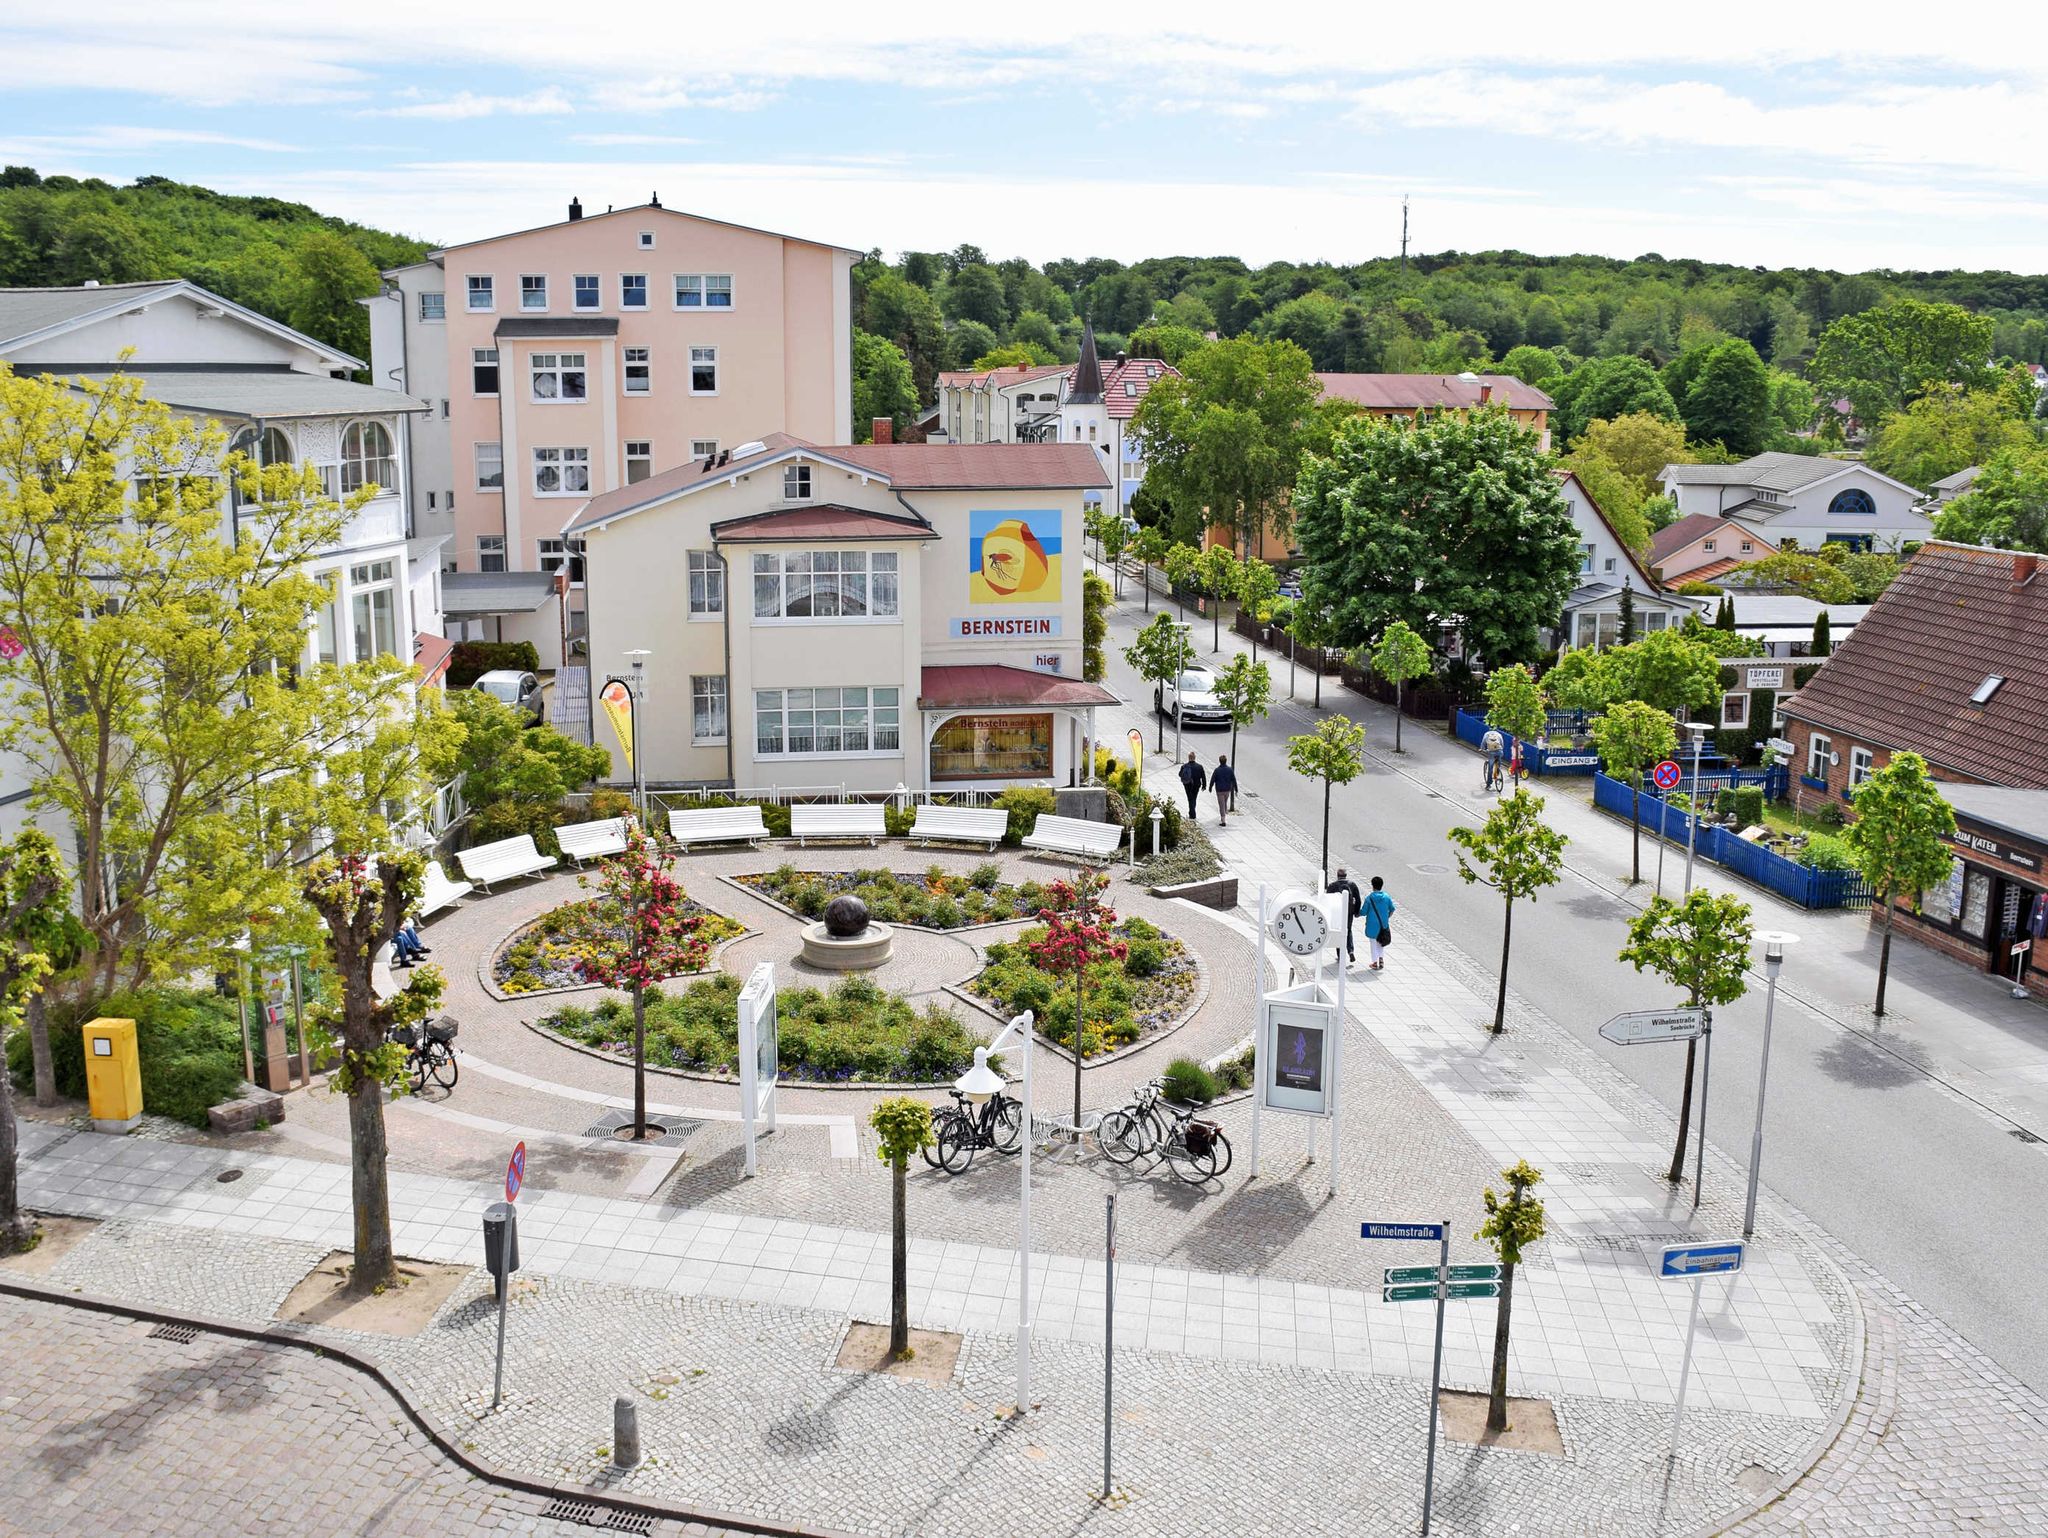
113, 1075
501, 1244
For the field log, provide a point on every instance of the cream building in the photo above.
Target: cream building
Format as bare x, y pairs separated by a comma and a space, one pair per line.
864, 617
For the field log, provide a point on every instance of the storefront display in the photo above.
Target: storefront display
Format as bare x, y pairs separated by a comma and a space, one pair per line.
992, 747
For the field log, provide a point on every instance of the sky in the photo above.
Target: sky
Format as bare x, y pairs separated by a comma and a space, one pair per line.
1768, 134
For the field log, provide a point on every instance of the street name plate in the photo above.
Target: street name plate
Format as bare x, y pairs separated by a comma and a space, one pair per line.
1427, 1292
1402, 1231
1408, 1276
1654, 1025
1781, 747
1702, 1259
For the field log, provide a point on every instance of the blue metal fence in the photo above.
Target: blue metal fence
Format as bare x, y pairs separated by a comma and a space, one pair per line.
1802, 884
1560, 760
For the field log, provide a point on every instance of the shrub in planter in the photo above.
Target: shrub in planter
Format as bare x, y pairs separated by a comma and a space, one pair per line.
1746, 802
1144, 958
509, 819
1833, 814
1024, 803
1190, 1083
1825, 852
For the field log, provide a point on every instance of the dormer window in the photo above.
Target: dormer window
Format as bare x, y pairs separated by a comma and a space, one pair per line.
1708, 547
1130, 390
1986, 689
796, 483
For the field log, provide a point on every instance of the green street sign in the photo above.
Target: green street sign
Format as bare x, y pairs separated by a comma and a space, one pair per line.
1405, 1276
1427, 1291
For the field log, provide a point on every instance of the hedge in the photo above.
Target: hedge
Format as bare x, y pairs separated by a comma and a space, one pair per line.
472, 659
189, 1040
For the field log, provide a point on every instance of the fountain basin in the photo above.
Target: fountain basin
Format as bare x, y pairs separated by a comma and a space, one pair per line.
861, 951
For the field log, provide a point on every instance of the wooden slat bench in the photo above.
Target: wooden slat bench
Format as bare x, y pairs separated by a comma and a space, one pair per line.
592, 840
961, 824
501, 861
716, 825
1074, 835
847, 819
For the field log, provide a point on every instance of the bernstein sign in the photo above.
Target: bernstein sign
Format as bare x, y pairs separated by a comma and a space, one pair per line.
1020, 627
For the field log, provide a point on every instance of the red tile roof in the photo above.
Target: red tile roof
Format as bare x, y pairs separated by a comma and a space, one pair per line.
1903, 679
1411, 392
1674, 537
1711, 570
987, 686
1016, 373
827, 521
430, 654
1140, 374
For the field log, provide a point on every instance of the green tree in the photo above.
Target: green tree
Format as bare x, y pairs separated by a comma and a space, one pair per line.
1822, 643
103, 245
1458, 519
1094, 627
1701, 946
1638, 444
1035, 329
1518, 855
1666, 668
1400, 655
882, 386
2006, 506
1245, 689
1514, 703
1013, 355
1112, 535
1161, 650
1900, 842
34, 914
1183, 570
1615, 494
1883, 359
503, 759
1631, 736
1795, 571
967, 341
1538, 366
1608, 388
1171, 344
1729, 399
975, 293
1149, 546
330, 279
1258, 585
1333, 753
903, 1126
1513, 1223
1947, 431
1220, 573
1228, 431
1310, 625
908, 316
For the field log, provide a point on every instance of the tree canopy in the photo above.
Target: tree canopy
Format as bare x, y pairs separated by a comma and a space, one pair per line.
2007, 505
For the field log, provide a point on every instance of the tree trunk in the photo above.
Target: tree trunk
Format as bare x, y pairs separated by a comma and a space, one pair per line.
1398, 683
16, 1227
1635, 822
39, 1049
1145, 576
1884, 956
899, 1261
1159, 711
1326, 828
1677, 1170
1233, 739
1500, 998
1497, 1402
1319, 683
1215, 625
375, 1266
1292, 648
639, 1063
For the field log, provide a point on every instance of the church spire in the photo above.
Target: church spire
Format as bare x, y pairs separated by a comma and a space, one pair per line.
1087, 386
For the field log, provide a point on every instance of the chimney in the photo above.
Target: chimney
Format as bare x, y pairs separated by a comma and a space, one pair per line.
884, 430
575, 209
1485, 393
1123, 358
2024, 565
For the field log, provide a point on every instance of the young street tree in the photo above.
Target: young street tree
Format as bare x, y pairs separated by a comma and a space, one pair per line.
1220, 573
1400, 655
1701, 946
1900, 843
1112, 535
1513, 1223
1309, 626
1520, 855
1457, 517
1631, 736
1257, 586
640, 893
34, 909
1079, 931
1150, 547
903, 1126
1334, 754
1245, 689
1183, 570
1160, 651
1514, 705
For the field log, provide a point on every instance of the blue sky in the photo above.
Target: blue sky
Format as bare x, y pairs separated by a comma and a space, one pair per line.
1739, 132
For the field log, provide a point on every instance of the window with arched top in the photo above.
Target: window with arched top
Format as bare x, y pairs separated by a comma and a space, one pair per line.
366, 457
1854, 502
276, 448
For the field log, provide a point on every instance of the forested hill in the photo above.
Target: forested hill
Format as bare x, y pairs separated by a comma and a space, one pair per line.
286, 260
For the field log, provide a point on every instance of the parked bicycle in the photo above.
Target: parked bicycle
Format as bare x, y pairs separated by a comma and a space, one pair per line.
961, 1128
430, 1052
1194, 1149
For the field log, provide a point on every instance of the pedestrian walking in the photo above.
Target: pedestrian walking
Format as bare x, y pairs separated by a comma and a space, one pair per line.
1224, 783
1379, 923
1352, 902
1194, 779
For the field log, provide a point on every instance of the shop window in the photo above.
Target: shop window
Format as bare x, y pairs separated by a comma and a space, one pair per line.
993, 747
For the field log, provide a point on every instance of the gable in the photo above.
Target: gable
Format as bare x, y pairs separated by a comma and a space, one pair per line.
177, 323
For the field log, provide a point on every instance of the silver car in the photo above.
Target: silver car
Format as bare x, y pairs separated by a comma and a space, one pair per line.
519, 690
1194, 693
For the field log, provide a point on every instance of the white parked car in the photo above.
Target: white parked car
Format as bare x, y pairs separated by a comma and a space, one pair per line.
1194, 693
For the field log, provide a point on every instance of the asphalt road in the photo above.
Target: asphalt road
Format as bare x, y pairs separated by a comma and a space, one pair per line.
1867, 1132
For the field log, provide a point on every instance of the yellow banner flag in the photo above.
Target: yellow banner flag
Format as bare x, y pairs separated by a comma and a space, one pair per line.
1137, 752
617, 700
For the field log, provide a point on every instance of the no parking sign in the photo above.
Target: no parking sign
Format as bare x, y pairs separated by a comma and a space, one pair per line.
1667, 775
515, 1173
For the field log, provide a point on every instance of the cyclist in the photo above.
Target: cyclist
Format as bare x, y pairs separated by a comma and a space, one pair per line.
1493, 744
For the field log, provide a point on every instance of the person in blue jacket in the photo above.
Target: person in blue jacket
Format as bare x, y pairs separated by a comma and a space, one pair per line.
1378, 914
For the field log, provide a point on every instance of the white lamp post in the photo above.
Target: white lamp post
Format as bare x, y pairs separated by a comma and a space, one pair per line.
1692, 822
638, 659
977, 1084
1775, 941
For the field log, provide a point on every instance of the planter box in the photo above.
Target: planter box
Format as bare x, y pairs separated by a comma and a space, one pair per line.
1216, 892
243, 1112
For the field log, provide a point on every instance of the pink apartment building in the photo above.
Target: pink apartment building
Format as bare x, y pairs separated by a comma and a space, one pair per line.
567, 361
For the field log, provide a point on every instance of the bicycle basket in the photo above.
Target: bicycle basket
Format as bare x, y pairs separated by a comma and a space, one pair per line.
443, 1030
1201, 1136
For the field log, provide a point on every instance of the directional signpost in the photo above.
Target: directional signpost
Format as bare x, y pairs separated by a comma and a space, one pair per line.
1433, 1285
1654, 1025
1695, 1261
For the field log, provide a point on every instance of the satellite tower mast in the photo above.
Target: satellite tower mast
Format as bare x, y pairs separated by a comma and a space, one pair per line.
1404, 234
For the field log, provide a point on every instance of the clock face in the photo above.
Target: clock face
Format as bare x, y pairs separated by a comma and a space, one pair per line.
1301, 928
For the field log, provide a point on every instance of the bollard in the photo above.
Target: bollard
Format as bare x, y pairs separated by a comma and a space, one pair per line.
625, 1433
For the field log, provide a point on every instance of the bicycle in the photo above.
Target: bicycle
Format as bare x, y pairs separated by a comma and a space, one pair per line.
1492, 777
1195, 1150
961, 1128
430, 1053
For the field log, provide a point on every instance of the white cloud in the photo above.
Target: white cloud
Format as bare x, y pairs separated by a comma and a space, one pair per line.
602, 141
546, 102
122, 139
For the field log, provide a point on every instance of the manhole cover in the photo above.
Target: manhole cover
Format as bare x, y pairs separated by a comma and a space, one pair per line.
1365, 848
1431, 868
228, 1177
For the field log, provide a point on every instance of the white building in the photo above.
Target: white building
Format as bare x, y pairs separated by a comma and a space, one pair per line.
1607, 569
406, 340
1801, 501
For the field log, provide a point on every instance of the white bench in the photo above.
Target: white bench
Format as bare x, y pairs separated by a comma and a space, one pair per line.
501, 861
439, 892
961, 824
716, 824
849, 819
592, 840
1074, 835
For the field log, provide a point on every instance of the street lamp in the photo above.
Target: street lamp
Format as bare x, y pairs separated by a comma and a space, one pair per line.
1775, 941
977, 1084
1692, 822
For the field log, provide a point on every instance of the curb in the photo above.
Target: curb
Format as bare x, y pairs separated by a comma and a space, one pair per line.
475, 1467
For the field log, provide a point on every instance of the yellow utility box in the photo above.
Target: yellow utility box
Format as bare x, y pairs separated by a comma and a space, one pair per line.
113, 1075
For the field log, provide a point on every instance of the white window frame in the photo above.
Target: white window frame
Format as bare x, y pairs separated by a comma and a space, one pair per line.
440, 298
558, 367
796, 483
694, 291
710, 697
563, 459
1587, 553
782, 704
624, 302
489, 454
496, 365
1819, 751
531, 285
484, 283
646, 240
1862, 764
704, 355
798, 569
644, 457
706, 597
490, 548
644, 363
596, 282
703, 448
552, 552
1739, 714
365, 583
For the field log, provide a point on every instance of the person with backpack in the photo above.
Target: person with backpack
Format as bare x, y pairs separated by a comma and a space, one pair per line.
1194, 779
1378, 914
1344, 884
1224, 783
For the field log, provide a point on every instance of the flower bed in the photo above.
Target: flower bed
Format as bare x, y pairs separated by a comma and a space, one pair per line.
1144, 993
553, 950
855, 1033
934, 900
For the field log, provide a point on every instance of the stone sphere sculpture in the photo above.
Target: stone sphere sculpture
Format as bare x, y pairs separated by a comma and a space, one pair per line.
845, 917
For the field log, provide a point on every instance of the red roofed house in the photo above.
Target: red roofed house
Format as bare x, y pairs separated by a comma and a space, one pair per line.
1407, 395
865, 616
1948, 664
1702, 546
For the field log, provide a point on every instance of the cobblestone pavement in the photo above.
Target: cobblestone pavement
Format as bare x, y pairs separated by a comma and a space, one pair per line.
106, 1428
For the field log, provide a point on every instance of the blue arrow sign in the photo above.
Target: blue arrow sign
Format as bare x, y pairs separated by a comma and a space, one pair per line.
1690, 1260
1402, 1231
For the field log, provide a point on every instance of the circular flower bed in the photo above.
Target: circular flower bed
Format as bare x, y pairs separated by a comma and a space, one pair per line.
935, 900
554, 950
855, 1033
1146, 992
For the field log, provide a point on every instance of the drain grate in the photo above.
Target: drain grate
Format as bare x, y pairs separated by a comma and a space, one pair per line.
184, 1334
2025, 1136
590, 1514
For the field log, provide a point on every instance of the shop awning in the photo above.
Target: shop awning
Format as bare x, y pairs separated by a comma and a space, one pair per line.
991, 686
